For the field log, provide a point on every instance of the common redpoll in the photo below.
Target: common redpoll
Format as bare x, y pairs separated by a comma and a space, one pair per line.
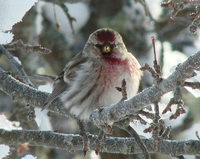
90, 79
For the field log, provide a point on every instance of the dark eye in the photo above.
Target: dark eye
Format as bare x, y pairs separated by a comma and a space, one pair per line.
98, 46
114, 45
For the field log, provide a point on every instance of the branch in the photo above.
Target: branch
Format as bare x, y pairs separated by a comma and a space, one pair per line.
108, 115
70, 142
20, 92
29, 48
116, 112
17, 65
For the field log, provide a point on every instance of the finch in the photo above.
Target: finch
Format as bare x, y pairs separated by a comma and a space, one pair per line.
89, 80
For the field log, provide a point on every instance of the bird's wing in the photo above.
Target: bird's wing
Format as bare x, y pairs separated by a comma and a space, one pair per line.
63, 80
39, 80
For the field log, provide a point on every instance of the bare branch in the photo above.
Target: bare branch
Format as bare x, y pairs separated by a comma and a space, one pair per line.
116, 112
24, 93
29, 48
108, 115
195, 23
175, 6
193, 85
177, 99
125, 125
71, 142
17, 66
69, 17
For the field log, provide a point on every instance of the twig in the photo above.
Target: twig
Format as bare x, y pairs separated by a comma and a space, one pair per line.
125, 125
55, 17
177, 99
155, 63
146, 114
151, 70
157, 128
180, 6
123, 90
110, 114
30, 48
175, 6
166, 132
187, 123
137, 117
23, 75
193, 85
156, 70
70, 18
17, 65
146, 9
31, 113
195, 23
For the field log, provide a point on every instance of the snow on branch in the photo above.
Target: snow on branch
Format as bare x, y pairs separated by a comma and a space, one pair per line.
104, 119
120, 145
119, 111
19, 91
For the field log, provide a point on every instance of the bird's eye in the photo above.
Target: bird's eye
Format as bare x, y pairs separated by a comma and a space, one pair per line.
98, 46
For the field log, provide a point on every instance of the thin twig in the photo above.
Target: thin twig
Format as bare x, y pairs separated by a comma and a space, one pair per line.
155, 62
17, 65
30, 48
151, 70
123, 90
166, 132
23, 75
70, 18
146, 9
195, 23
55, 18
177, 99
125, 125
157, 128
175, 6
193, 85
146, 114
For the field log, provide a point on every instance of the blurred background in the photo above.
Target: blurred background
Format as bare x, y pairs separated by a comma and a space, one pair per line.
48, 24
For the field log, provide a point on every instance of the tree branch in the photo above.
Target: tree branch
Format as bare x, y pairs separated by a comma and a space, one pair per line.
20, 92
70, 142
119, 111
108, 115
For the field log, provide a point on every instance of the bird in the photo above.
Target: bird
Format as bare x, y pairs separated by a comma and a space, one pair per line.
89, 80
